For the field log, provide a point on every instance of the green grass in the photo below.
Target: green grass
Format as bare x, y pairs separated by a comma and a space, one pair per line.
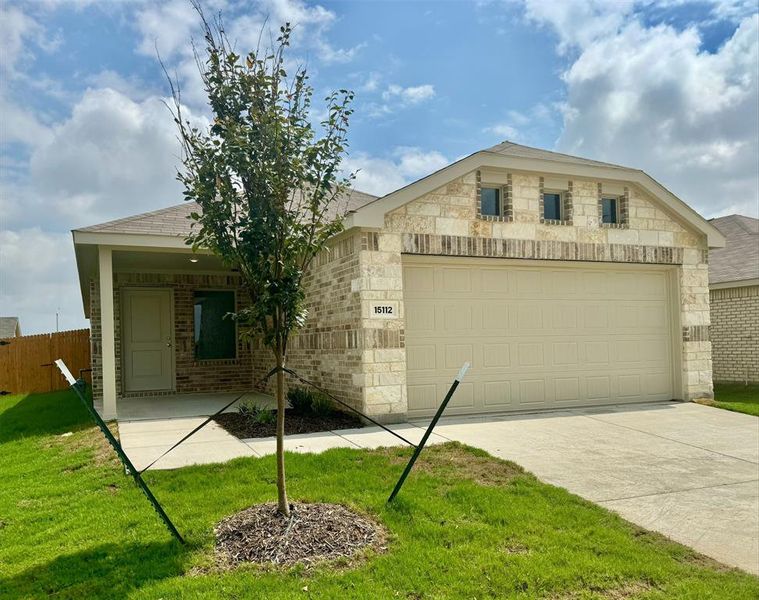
73, 526
736, 397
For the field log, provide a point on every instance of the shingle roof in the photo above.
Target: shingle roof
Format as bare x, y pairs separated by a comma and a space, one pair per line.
739, 259
508, 148
174, 220
8, 327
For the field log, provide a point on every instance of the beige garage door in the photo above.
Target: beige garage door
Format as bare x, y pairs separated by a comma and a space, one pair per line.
538, 336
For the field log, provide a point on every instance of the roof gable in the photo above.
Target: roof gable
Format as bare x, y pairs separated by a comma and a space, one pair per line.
739, 259
508, 155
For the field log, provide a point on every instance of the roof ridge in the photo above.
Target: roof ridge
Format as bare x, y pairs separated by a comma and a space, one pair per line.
563, 154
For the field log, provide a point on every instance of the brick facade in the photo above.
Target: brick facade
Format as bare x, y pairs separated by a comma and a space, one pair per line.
735, 333
191, 375
359, 355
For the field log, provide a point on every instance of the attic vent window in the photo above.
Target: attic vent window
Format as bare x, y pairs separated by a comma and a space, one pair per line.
613, 208
494, 200
609, 210
490, 202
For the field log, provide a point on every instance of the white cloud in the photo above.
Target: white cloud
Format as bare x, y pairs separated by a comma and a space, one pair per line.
652, 97
112, 157
20, 125
409, 95
404, 165
37, 278
396, 97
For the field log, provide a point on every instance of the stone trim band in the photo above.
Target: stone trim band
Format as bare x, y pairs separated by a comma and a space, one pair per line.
451, 245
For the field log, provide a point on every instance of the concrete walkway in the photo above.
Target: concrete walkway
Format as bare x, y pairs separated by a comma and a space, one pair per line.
688, 471
145, 440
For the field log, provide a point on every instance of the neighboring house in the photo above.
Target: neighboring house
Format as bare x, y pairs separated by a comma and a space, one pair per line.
734, 299
9, 327
564, 281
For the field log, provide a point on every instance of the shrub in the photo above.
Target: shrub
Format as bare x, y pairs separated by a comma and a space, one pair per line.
321, 405
300, 400
257, 413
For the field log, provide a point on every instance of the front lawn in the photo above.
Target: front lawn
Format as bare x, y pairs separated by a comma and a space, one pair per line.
465, 526
737, 397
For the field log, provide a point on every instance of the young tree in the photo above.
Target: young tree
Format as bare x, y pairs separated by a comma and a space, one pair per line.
269, 189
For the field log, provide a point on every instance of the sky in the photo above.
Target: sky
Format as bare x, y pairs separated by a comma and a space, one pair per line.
670, 87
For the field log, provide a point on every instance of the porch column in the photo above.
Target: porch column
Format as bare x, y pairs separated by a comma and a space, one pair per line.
108, 333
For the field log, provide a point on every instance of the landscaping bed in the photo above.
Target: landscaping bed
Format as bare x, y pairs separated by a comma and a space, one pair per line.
312, 533
243, 427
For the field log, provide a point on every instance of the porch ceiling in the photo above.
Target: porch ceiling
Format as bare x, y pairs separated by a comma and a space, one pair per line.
131, 260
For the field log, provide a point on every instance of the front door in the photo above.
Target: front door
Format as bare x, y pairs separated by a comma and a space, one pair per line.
147, 340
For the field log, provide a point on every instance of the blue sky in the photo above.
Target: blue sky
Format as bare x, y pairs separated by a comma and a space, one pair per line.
670, 87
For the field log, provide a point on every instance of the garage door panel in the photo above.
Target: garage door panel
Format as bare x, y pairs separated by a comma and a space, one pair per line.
421, 358
532, 393
494, 281
567, 389
598, 387
455, 317
462, 399
529, 283
529, 316
497, 394
496, 355
419, 317
565, 353
530, 354
457, 281
423, 397
536, 337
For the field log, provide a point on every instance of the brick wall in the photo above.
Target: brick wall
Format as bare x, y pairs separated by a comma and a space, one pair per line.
735, 334
191, 375
327, 350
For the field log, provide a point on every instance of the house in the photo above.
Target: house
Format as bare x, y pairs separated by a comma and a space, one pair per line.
9, 327
564, 281
734, 300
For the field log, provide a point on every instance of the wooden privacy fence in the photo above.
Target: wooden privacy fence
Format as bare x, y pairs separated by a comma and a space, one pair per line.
21, 360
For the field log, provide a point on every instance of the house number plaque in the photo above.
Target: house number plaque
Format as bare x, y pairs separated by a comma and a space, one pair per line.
383, 310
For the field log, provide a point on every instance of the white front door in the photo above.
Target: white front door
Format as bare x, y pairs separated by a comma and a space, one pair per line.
148, 341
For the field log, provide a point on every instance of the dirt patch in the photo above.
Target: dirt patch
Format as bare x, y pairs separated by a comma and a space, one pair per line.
243, 427
630, 589
453, 458
87, 439
313, 533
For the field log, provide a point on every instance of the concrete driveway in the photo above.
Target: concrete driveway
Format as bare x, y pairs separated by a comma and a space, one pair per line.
688, 471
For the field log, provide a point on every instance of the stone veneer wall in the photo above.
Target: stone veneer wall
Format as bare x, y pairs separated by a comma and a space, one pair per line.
735, 333
445, 222
191, 375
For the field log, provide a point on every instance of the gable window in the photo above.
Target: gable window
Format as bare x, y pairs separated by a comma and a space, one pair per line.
552, 203
490, 201
609, 210
214, 332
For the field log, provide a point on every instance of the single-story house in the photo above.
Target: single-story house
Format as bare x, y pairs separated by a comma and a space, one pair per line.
564, 281
734, 300
9, 327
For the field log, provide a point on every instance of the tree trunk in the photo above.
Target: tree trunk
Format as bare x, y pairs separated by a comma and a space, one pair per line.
283, 505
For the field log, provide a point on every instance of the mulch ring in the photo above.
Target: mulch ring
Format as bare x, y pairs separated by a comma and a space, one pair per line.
313, 533
243, 427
